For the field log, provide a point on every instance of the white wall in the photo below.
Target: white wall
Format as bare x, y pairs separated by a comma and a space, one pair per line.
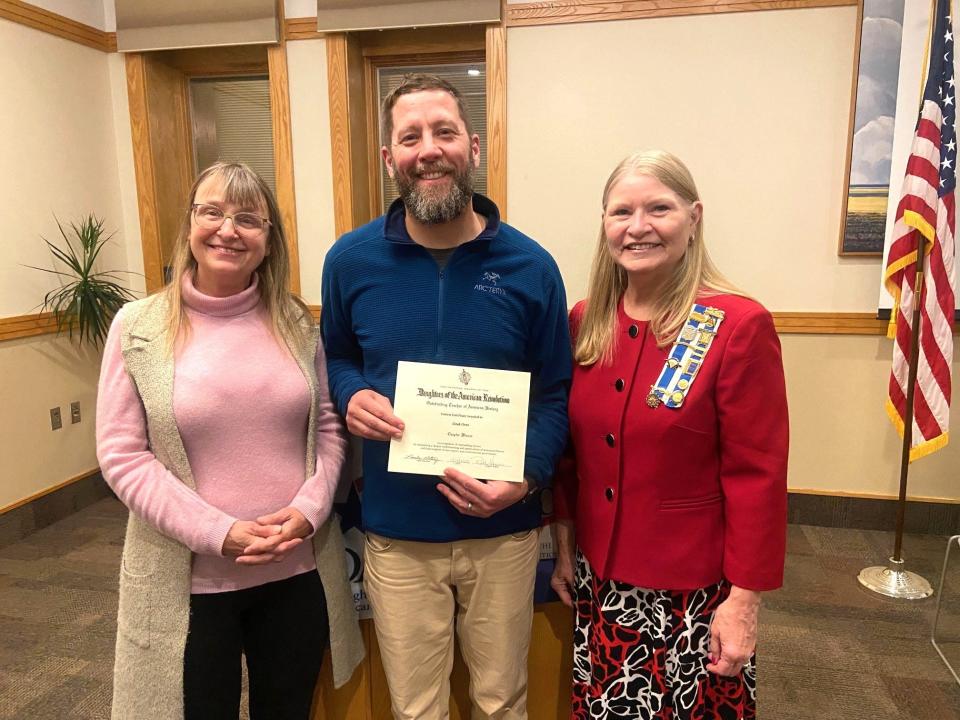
312, 164
88, 12
59, 154
61, 148
299, 8
38, 374
128, 235
755, 103
840, 437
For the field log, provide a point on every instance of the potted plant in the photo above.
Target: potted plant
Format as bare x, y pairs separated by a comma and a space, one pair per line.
86, 299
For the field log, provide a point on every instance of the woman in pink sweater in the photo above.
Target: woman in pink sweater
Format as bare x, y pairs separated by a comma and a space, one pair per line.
245, 502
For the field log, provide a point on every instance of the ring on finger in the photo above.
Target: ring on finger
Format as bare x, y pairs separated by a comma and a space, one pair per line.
469, 505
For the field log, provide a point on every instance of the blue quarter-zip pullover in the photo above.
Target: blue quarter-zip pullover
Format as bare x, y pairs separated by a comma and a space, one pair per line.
499, 303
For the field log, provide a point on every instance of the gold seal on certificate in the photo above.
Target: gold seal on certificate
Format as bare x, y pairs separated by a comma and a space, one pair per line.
471, 419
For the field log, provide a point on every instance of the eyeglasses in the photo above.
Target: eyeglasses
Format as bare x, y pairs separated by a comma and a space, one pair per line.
211, 217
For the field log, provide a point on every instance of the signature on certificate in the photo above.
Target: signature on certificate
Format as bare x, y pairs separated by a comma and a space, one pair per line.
457, 461
477, 461
423, 458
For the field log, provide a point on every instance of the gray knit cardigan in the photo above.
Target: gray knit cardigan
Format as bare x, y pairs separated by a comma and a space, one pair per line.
153, 615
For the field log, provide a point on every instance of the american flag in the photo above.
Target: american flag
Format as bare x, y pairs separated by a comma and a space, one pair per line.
926, 218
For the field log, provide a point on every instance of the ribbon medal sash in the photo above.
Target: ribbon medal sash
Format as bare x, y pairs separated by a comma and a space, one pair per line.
686, 357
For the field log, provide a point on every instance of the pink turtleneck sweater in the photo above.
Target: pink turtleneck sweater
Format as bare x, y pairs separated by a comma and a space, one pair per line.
241, 404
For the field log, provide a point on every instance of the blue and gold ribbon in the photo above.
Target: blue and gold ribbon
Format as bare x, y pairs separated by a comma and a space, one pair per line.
686, 357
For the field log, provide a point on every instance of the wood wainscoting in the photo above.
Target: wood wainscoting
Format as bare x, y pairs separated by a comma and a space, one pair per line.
549, 666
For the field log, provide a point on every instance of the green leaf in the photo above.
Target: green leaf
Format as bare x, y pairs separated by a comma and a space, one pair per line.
87, 300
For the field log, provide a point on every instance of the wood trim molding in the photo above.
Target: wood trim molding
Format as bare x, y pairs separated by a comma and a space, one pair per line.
804, 323
301, 28
832, 323
787, 323
347, 137
143, 163
814, 323
283, 154
433, 41
497, 116
219, 60
55, 24
340, 133
47, 491
576, 11
374, 190
21, 326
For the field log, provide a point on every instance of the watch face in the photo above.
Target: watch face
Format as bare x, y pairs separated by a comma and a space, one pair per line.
546, 501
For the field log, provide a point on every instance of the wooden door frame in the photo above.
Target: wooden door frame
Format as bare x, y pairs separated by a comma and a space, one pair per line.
351, 62
204, 62
372, 63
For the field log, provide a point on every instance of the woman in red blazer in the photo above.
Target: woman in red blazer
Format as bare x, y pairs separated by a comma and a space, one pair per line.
671, 503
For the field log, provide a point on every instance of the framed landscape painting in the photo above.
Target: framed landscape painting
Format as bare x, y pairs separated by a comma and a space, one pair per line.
873, 107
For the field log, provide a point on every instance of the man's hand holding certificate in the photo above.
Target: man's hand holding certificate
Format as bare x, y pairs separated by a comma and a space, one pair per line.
470, 419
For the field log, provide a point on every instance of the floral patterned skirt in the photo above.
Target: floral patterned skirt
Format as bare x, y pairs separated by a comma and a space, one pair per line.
642, 654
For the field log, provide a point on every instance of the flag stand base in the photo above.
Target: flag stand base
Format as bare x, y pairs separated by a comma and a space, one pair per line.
893, 581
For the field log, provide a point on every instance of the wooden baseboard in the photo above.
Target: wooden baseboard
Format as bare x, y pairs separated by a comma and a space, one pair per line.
923, 516
873, 496
24, 517
47, 491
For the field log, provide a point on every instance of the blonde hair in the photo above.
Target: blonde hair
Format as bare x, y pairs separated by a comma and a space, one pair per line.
694, 275
244, 188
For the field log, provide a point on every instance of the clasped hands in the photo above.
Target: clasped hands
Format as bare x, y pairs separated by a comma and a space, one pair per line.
269, 538
370, 415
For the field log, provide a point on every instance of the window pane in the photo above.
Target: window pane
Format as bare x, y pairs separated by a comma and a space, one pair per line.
231, 121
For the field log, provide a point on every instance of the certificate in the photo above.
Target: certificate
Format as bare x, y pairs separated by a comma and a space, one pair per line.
470, 419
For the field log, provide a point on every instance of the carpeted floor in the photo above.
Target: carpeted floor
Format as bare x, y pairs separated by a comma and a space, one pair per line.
828, 648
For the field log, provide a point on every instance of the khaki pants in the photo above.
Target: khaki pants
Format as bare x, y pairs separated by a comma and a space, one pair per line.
417, 590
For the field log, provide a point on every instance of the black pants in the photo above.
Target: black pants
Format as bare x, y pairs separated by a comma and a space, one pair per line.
282, 629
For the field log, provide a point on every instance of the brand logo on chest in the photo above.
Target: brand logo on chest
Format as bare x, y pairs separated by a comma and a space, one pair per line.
488, 284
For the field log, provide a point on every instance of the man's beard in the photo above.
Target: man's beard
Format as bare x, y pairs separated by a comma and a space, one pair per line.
432, 206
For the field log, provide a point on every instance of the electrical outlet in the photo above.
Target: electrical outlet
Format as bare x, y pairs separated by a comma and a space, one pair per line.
55, 421
74, 412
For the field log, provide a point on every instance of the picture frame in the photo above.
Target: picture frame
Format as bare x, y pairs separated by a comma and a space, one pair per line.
876, 68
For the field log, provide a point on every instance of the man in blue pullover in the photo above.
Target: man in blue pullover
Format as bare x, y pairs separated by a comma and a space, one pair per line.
440, 279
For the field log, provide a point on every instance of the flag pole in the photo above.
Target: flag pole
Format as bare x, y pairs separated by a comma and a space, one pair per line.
911, 394
932, 150
892, 579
